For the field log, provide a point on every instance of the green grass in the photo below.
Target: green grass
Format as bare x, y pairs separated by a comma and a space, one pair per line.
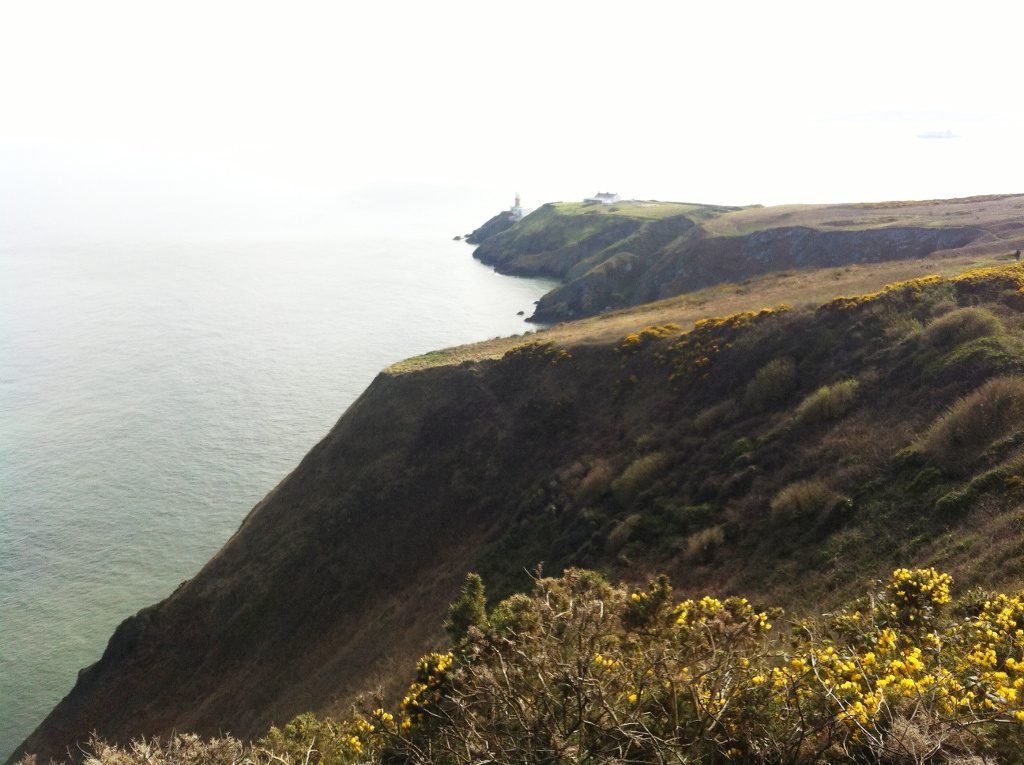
651, 210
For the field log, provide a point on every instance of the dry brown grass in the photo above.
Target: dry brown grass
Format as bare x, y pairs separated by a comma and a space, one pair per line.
702, 545
858, 445
974, 211
811, 287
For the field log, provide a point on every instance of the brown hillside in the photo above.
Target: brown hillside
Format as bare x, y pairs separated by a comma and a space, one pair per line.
788, 453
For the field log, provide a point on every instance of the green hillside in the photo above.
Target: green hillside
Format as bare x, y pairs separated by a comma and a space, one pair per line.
789, 454
630, 253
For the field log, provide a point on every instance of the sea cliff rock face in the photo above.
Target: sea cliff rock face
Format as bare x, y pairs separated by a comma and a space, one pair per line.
548, 244
337, 574
626, 279
634, 253
495, 225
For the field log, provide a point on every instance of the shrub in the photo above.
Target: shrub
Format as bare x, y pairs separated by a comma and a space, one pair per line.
469, 610
622, 532
700, 547
829, 402
595, 482
898, 325
179, 749
961, 325
961, 433
689, 518
710, 419
772, 384
979, 358
800, 500
579, 670
637, 476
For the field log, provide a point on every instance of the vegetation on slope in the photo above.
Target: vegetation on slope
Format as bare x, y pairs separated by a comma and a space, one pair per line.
581, 671
787, 454
805, 287
635, 252
495, 225
784, 445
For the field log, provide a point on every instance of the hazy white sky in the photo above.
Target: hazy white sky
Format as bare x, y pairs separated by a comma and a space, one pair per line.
151, 108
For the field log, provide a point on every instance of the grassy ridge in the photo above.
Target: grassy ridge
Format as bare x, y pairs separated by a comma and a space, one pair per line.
646, 210
809, 287
631, 253
985, 211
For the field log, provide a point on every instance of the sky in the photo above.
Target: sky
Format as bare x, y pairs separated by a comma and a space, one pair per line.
268, 116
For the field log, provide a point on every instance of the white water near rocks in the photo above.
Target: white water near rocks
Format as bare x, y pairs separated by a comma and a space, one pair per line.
150, 394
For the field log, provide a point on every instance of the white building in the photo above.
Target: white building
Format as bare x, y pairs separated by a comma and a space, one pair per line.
516, 211
604, 197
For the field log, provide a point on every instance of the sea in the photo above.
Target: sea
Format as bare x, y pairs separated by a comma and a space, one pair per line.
153, 388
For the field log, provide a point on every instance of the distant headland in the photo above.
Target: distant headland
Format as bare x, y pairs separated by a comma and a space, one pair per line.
611, 253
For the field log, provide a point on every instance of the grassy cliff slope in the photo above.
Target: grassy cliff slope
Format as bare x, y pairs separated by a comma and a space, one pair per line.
629, 253
788, 453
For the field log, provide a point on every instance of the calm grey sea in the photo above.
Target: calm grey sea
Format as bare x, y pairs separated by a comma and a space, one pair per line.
150, 394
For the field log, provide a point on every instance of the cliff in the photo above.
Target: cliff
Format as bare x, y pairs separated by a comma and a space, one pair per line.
500, 222
785, 453
631, 253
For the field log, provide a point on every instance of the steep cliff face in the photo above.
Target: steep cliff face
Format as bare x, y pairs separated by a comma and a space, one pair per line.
664, 450
337, 573
634, 253
548, 243
691, 263
500, 222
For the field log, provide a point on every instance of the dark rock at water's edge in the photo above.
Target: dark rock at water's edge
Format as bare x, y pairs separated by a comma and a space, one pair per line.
457, 238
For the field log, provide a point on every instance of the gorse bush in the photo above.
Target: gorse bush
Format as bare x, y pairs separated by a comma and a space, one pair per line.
961, 325
469, 610
961, 433
772, 384
829, 402
181, 749
581, 671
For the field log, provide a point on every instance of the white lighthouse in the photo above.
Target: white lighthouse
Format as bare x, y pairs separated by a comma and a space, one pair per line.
516, 211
